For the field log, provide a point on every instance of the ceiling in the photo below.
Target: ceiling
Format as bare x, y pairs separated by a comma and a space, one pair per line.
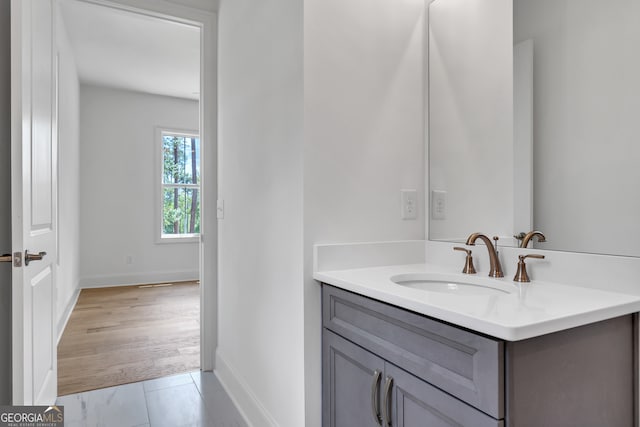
126, 50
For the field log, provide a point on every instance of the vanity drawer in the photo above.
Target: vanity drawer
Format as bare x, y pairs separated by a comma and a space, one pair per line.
462, 363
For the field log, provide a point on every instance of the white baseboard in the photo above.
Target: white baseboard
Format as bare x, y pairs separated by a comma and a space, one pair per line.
62, 323
253, 412
137, 279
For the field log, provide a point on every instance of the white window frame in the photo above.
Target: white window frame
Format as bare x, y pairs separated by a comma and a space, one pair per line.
158, 145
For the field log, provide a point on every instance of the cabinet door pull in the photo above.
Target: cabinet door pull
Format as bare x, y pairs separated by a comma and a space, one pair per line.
375, 396
387, 401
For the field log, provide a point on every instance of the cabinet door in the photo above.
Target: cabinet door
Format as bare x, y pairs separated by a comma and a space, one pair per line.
411, 402
351, 382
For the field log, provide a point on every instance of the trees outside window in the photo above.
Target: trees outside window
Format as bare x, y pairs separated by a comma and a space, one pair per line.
180, 185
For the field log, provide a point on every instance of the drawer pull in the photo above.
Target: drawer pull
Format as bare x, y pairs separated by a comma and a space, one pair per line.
387, 401
375, 396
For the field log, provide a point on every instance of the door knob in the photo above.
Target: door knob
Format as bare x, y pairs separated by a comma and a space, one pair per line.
33, 257
6, 258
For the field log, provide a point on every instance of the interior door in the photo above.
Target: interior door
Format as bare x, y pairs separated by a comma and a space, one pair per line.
33, 201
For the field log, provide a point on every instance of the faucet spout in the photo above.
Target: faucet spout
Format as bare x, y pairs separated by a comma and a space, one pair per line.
530, 235
495, 269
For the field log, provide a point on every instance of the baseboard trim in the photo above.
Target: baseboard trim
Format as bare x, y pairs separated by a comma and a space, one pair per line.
62, 323
137, 279
249, 406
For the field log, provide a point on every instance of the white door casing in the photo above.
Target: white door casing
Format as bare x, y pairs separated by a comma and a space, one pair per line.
33, 201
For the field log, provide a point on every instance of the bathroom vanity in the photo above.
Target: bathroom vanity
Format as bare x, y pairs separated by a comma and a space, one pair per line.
387, 363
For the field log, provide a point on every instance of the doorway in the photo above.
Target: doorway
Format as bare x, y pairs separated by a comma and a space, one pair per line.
128, 98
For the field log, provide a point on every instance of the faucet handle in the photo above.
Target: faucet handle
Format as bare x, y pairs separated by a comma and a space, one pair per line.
519, 236
521, 274
468, 265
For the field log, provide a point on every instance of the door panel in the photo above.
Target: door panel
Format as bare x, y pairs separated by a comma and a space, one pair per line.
34, 200
42, 294
42, 92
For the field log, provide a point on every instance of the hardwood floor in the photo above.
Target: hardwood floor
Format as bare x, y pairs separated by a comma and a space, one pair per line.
126, 334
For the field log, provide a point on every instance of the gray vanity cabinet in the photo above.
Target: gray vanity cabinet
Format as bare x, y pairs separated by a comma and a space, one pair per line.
438, 372
362, 389
386, 366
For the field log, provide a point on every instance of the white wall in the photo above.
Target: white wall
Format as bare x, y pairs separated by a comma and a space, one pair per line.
358, 91
364, 137
260, 345
208, 5
586, 104
118, 200
5, 203
471, 116
68, 270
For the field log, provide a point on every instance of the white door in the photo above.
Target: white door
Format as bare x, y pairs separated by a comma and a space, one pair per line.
34, 194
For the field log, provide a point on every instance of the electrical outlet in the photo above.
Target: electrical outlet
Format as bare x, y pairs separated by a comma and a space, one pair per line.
409, 206
438, 204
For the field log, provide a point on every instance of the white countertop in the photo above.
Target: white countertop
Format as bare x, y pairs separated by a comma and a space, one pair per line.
530, 310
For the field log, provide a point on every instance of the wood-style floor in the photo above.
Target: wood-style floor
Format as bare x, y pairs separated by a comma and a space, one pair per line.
126, 334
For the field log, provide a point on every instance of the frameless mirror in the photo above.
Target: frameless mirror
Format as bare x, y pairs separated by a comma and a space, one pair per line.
534, 122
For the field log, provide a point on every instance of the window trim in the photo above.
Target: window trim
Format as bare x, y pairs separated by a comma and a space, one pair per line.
160, 237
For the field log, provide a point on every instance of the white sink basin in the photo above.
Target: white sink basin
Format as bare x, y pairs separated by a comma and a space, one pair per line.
450, 285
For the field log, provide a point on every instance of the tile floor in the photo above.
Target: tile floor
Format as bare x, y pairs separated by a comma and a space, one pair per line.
189, 400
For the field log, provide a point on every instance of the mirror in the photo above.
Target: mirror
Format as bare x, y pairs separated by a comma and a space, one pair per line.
534, 122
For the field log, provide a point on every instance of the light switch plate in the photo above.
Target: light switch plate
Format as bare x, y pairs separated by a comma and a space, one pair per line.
438, 204
409, 205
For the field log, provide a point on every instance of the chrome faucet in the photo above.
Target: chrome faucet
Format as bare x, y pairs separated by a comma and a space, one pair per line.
530, 235
495, 269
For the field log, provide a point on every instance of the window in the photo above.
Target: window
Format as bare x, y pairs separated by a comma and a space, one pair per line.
180, 188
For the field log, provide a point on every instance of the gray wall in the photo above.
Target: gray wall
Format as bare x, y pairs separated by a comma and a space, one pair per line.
5, 203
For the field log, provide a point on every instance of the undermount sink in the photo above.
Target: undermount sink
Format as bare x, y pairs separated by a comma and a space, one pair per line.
450, 285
